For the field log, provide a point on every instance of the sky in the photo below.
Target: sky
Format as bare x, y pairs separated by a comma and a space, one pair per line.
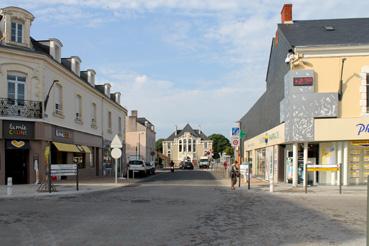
201, 62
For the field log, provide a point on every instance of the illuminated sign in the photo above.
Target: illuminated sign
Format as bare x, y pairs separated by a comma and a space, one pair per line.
18, 130
303, 81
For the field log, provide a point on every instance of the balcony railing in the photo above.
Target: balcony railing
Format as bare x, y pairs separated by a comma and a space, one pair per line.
20, 108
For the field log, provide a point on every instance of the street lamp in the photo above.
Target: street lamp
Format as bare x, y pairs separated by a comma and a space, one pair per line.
48, 94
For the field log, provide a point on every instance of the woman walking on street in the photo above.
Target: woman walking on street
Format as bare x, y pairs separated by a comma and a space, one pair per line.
234, 174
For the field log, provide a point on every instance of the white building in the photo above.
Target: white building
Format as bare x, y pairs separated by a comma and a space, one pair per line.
46, 101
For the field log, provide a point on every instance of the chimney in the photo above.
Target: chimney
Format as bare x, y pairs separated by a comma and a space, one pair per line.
91, 76
286, 14
175, 133
134, 113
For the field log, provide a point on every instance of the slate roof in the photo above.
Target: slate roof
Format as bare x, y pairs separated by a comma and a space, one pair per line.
354, 31
194, 132
142, 121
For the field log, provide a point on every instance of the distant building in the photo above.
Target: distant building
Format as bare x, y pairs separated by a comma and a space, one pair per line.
140, 138
187, 144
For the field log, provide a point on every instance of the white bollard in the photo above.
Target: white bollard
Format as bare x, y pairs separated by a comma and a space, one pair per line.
9, 187
271, 185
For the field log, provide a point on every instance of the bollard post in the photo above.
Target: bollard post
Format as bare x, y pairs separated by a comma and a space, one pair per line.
248, 177
306, 178
340, 177
9, 187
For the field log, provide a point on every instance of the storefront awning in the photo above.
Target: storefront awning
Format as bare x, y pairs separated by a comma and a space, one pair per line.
66, 147
86, 149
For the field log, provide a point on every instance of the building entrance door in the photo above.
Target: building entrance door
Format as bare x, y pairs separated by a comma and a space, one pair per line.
16, 163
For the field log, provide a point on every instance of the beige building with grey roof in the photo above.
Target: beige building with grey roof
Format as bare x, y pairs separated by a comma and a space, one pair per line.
187, 144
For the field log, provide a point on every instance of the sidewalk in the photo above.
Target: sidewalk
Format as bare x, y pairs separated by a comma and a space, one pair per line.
64, 187
258, 184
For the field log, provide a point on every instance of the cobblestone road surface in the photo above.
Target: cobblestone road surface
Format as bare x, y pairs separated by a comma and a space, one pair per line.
184, 208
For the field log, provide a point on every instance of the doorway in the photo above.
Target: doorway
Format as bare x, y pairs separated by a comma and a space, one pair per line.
16, 165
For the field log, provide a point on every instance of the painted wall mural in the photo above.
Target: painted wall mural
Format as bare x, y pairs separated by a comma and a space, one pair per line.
301, 105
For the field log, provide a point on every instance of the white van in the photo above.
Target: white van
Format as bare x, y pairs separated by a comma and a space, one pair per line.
204, 162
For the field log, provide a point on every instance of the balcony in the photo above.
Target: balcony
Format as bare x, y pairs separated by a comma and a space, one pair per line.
20, 108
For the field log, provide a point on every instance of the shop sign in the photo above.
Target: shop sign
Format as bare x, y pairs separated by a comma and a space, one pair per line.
303, 81
17, 144
63, 134
18, 129
362, 128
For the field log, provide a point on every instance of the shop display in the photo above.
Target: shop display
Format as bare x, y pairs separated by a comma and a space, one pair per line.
358, 164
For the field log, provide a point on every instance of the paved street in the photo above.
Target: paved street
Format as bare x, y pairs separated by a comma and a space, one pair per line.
184, 208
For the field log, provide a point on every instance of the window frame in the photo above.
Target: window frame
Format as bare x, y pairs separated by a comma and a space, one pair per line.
19, 34
16, 82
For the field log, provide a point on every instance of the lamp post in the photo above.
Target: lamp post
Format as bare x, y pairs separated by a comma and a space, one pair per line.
48, 94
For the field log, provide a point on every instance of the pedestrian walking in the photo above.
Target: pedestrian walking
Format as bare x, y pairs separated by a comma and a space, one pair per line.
235, 172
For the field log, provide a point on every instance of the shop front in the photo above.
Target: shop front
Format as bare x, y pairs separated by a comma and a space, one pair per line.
266, 153
17, 151
69, 146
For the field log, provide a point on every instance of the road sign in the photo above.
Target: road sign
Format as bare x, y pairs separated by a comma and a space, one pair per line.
235, 142
242, 134
116, 153
235, 131
116, 143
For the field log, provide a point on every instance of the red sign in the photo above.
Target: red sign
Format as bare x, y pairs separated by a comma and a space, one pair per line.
303, 81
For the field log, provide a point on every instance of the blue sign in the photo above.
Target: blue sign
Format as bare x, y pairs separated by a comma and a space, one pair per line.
235, 131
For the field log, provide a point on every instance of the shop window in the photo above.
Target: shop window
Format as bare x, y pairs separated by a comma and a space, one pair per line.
17, 32
16, 88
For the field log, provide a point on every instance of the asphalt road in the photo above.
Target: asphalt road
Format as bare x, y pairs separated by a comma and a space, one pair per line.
181, 208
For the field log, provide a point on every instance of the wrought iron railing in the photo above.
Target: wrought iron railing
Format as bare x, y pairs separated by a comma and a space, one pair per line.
20, 108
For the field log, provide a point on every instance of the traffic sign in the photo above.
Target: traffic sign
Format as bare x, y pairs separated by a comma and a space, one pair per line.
235, 131
116, 153
235, 142
242, 134
116, 143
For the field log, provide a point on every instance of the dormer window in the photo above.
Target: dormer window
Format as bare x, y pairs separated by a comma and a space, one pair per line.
107, 87
17, 32
76, 61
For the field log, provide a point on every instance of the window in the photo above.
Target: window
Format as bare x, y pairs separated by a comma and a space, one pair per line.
58, 96
78, 107
206, 145
17, 32
93, 115
189, 145
16, 88
184, 145
57, 53
194, 145
109, 122
168, 145
180, 145
367, 93
120, 125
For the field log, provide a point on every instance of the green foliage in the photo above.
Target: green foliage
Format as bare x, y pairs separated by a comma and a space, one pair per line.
220, 144
159, 145
229, 151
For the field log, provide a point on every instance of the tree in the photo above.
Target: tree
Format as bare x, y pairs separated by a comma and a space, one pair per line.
159, 145
220, 144
229, 150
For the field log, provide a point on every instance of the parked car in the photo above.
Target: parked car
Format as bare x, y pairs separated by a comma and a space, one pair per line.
187, 165
138, 166
150, 167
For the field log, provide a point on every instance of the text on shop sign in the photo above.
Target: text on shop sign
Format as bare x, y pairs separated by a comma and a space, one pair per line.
17, 130
303, 81
362, 128
63, 134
